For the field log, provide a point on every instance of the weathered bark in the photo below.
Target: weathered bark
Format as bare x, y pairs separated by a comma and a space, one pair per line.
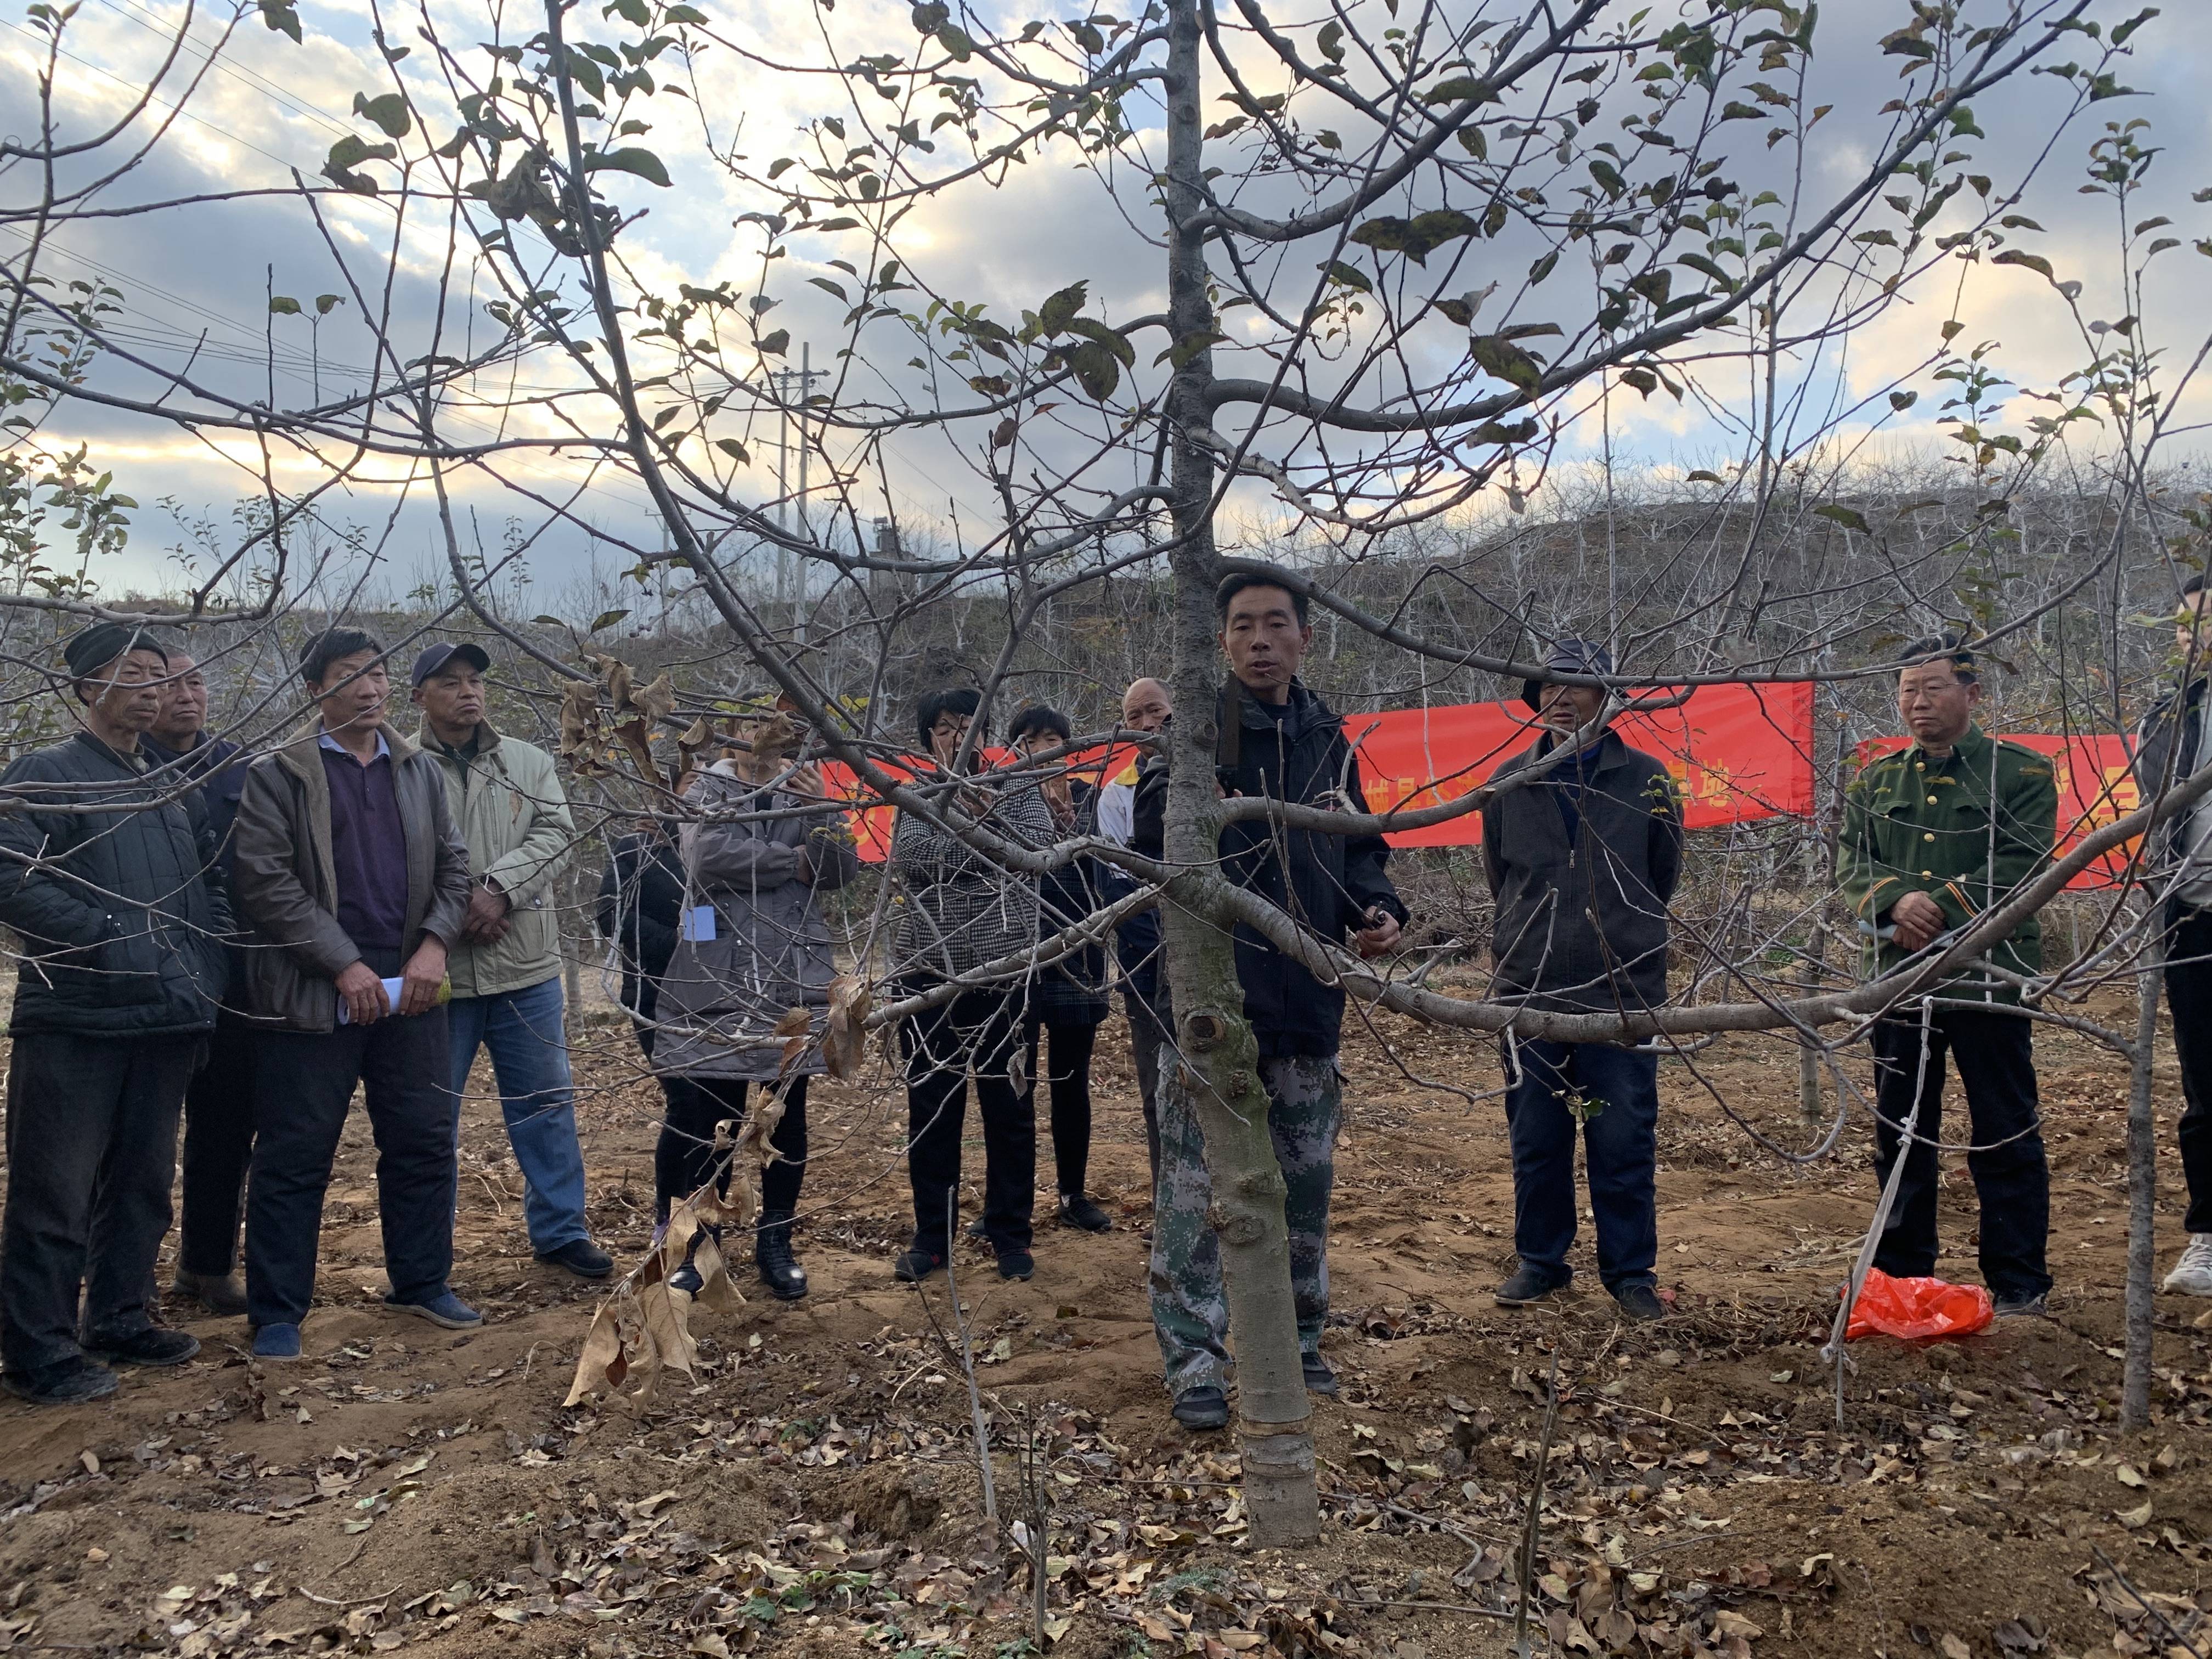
1220, 1059
2143, 1195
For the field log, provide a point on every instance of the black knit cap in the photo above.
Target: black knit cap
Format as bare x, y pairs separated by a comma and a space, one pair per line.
94, 648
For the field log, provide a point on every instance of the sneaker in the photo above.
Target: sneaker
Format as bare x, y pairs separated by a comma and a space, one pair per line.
2023, 1307
915, 1265
156, 1345
1640, 1304
70, 1382
445, 1309
976, 1231
580, 1257
2193, 1275
1017, 1264
219, 1293
1078, 1211
1201, 1408
280, 1343
1529, 1284
1321, 1376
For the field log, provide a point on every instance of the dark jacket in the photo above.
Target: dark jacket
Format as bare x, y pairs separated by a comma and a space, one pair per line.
640, 905
222, 764
287, 889
1072, 991
122, 915
1327, 884
956, 909
2166, 745
1581, 924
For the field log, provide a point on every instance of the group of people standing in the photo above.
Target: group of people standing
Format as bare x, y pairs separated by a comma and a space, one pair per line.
247, 942
243, 942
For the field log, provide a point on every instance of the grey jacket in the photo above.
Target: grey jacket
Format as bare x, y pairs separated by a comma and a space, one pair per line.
956, 909
287, 889
1581, 917
720, 999
122, 915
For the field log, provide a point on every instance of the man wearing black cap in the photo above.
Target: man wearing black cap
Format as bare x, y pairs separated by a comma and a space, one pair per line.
122, 920
350, 868
1583, 858
505, 796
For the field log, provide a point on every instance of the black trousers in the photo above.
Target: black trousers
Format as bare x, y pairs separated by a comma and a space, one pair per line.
1068, 1079
92, 1147
977, 1030
303, 1088
218, 1148
683, 1159
2189, 991
1995, 1055
1148, 1039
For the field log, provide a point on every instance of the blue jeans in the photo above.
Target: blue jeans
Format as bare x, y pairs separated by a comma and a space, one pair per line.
530, 1058
1621, 1139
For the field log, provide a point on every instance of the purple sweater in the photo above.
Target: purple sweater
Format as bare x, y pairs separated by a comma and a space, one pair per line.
369, 850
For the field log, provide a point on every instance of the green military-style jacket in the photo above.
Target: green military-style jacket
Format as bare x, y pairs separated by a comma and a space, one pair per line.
1966, 830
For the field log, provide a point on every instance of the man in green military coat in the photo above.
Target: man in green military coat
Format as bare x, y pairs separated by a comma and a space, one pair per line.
1934, 836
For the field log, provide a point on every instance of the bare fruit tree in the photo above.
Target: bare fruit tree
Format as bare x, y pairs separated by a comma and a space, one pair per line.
1350, 273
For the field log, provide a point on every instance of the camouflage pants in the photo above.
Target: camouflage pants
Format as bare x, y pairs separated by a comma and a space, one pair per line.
1190, 1315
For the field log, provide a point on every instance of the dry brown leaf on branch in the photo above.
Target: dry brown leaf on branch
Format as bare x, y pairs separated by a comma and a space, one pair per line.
580, 726
602, 1366
655, 700
614, 674
796, 1028
846, 1030
699, 737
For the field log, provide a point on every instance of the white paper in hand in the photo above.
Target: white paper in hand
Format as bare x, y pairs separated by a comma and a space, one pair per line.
391, 987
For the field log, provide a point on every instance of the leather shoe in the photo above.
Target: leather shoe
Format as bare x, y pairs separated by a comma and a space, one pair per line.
778, 1267
1201, 1408
156, 1345
219, 1293
70, 1382
580, 1257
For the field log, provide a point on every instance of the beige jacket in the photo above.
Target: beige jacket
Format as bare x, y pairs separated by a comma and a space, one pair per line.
509, 806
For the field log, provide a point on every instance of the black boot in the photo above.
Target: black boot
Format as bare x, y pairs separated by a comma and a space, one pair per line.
687, 1277
779, 1270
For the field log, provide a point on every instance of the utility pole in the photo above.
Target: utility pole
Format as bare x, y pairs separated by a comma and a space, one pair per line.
793, 386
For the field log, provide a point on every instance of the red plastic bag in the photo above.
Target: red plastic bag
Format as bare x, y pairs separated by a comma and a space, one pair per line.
1919, 1309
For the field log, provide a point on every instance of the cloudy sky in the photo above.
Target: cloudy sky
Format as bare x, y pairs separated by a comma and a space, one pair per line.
196, 280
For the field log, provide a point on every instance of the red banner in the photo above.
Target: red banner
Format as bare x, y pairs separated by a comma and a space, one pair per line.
1737, 753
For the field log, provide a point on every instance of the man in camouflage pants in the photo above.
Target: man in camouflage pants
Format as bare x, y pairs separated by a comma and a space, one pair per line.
1279, 741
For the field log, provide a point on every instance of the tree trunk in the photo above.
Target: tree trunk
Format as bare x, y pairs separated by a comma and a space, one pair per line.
1218, 1067
2143, 1194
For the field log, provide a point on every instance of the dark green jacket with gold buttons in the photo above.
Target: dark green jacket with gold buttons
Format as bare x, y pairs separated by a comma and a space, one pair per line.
1965, 830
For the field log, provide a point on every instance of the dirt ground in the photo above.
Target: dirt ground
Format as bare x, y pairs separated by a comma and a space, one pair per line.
813, 1490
